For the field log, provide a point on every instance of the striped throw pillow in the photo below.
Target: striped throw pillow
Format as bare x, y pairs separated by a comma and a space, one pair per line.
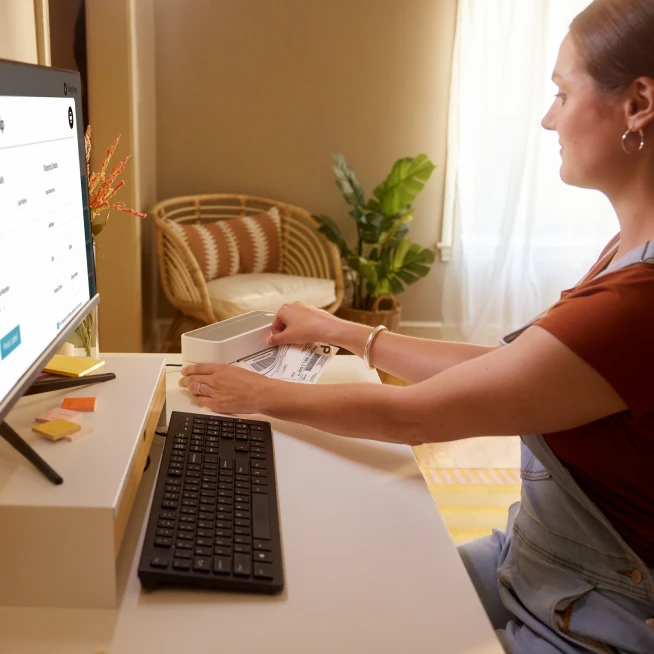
237, 245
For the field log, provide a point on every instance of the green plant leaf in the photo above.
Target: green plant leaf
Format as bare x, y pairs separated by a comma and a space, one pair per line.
371, 227
347, 181
403, 184
333, 232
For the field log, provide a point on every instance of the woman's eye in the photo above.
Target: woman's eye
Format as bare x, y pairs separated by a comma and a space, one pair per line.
561, 95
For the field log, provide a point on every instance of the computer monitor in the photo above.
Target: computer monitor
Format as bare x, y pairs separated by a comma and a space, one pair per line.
47, 271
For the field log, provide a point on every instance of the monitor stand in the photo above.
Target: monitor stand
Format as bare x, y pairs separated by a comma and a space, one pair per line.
19, 444
44, 386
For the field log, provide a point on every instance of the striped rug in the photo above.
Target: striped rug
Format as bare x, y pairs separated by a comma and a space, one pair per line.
473, 500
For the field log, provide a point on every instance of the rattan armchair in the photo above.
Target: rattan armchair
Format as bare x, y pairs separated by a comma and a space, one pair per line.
305, 252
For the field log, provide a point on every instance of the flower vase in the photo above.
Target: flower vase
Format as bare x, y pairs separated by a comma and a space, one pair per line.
84, 341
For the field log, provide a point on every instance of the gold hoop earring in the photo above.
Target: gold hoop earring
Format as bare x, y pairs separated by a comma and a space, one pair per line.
642, 140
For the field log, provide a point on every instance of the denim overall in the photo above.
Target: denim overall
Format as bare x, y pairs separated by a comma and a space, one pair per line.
561, 579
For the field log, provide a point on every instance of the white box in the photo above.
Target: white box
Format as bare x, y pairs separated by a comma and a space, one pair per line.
228, 340
58, 544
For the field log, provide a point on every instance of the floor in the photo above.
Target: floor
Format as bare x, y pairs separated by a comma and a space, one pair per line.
473, 481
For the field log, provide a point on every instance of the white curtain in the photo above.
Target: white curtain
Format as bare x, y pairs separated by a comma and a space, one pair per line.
519, 234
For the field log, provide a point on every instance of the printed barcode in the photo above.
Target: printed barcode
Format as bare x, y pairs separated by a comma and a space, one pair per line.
262, 364
313, 359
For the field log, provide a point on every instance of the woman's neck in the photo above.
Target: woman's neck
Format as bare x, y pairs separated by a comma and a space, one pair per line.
634, 206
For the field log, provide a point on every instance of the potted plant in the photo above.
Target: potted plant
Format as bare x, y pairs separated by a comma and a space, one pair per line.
383, 261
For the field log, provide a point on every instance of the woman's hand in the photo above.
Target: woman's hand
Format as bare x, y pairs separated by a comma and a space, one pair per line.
224, 388
299, 323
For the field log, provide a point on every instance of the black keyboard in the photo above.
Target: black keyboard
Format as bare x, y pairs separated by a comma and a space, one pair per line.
214, 521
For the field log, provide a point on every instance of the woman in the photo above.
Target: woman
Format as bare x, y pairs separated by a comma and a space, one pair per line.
574, 570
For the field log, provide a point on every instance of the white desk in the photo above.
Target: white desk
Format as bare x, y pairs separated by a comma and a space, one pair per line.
369, 566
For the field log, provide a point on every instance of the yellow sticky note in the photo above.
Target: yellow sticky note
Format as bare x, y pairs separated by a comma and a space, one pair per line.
56, 429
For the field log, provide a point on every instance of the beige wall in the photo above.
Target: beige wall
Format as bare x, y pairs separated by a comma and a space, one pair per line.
254, 96
120, 47
18, 31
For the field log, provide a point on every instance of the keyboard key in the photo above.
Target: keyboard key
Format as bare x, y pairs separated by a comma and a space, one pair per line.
205, 524
186, 526
222, 551
183, 554
186, 535
223, 542
246, 523
211, 450
242, 565
159, 561
203, 542
242, 515
263, 571
262, 545
263, 556
210, 458
203, 551
242, 540
181, 564
258, 464
223, 533
166, 524
204, 533
222, 565
195, 458
243, 549
162, 542
183, 545
260, 516
167, 533
186, 518
167, 515
169, 504
242, 531
202, 564
259, 489
226, 463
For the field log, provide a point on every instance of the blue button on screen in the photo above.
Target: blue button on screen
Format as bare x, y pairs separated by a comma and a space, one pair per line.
10, 342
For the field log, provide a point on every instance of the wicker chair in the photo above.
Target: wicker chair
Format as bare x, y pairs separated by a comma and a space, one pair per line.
305, 252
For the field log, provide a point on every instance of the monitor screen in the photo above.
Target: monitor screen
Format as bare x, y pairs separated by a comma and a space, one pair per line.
47, 279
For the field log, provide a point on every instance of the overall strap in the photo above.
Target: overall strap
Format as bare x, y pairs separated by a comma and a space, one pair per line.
640, 254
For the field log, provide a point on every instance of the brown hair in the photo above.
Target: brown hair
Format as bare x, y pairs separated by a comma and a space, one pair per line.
615, 39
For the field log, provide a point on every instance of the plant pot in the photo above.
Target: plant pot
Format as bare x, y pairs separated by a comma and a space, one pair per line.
390, 317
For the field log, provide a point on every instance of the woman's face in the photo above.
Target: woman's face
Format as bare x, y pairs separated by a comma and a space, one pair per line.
589, 122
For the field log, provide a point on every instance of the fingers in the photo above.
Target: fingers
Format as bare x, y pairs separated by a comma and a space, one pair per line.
201, 369
192, 382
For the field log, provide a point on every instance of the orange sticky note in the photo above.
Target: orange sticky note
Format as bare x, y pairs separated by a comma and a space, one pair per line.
64, 414
79, 403
56, 429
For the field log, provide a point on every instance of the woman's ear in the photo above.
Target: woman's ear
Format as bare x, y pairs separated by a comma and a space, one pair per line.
640, 108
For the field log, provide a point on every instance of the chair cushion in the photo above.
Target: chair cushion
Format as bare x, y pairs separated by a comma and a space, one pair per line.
250, 244
232, 296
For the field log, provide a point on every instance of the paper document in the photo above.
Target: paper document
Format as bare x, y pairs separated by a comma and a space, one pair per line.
298, 363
